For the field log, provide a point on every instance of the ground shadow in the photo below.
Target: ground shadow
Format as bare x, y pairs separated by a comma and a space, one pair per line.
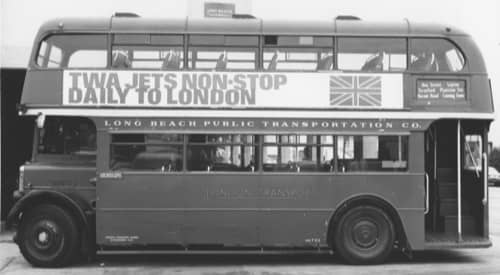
208, 260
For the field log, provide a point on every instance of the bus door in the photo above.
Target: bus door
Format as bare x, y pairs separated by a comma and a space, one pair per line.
139, 189
474, 135
455, 173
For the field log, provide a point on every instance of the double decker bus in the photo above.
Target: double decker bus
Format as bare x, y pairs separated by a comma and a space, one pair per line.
245, 135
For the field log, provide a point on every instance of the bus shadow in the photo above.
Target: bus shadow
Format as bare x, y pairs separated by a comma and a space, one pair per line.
421, 257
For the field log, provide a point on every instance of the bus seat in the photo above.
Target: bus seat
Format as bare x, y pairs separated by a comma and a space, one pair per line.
221, 62
168, 59
325, 63
171, 61
425, 63
374, 63
120, 60
177, 61
273, 64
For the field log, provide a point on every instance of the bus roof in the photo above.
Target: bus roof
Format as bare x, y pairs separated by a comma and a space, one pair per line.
246, 26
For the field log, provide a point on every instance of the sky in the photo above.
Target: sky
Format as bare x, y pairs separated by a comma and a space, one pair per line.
20, 20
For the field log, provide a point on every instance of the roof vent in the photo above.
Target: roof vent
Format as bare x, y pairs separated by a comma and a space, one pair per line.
347, 17
243, 16
125, 14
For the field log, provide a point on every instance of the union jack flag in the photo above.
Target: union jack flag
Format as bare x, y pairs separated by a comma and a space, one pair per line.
355, 91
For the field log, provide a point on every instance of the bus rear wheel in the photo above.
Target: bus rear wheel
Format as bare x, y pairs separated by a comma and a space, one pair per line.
364, 235
48, 236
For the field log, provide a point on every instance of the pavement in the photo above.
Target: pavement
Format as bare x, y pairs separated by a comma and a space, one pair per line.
6, 236
460, 261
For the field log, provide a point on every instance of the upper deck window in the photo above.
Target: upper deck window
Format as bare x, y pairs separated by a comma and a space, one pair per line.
73, 51
298, 53
435, 55
223, 52
144, 51
372, 54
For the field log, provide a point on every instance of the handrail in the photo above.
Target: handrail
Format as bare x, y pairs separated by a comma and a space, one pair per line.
426, 194
485, 179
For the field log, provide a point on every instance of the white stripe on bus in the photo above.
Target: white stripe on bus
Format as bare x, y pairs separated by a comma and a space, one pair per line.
255, 114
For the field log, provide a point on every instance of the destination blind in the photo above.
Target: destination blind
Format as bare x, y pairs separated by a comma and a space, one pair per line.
232, 89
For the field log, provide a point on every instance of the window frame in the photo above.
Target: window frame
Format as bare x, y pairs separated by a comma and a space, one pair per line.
317, 145
255, 144
37, 156
65, 58
110, 143
148, 43
464, 71
407, 169
258, 144
406, 52
260, 48
243, 48
264, 46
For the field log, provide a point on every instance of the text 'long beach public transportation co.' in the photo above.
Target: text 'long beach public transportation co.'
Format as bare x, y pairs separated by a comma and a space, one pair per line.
181, 136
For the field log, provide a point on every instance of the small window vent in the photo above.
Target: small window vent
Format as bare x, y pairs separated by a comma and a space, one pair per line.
125, 14
347, 17
243, 16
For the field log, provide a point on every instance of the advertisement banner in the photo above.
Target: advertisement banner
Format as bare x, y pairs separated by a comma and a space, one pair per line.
232, 89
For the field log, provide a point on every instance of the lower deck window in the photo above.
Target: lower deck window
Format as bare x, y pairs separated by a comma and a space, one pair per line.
221, 153
298, 153
372, 153
153, 152
244, 153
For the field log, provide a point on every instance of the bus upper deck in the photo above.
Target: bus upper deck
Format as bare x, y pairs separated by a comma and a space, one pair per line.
255, 64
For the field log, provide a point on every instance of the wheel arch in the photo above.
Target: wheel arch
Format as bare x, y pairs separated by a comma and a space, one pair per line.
76, 206
372, 200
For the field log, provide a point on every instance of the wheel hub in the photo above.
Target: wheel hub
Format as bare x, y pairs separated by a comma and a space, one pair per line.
46, 235
365, 234
43, 237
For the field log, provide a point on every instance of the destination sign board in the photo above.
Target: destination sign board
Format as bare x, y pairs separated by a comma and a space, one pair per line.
159, 89
441, 90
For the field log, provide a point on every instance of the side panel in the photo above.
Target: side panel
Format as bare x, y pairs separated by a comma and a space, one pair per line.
221, 208
43, 87
140, 208
247, 209
304, 220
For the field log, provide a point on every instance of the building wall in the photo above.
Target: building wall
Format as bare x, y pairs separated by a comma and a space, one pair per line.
17, 134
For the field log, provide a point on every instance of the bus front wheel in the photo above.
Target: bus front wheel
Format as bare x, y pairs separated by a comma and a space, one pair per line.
48, 236
364, 235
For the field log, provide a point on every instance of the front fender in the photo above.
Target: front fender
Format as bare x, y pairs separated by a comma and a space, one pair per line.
76, 206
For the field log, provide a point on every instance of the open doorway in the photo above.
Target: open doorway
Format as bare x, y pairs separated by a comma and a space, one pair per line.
454, 166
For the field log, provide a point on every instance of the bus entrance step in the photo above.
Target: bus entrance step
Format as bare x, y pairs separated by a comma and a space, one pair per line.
449, 207
447, 174
451, 224
447, 190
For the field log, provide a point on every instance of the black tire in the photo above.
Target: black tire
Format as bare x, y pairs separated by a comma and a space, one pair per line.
364, 235
48, 236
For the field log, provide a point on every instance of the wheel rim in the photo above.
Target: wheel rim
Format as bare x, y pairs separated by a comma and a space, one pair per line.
46, 239
365, 233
